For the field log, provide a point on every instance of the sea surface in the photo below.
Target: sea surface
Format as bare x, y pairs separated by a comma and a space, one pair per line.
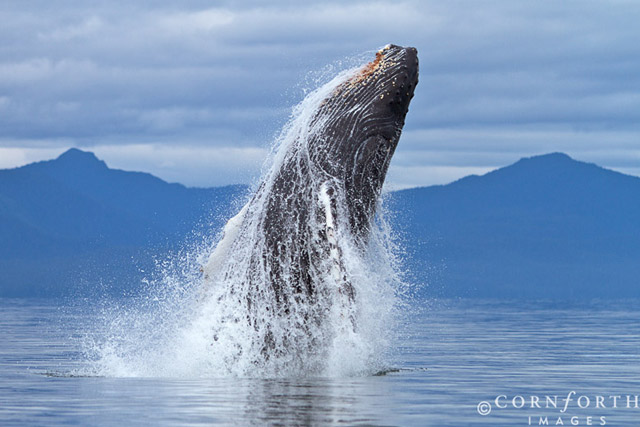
451, 361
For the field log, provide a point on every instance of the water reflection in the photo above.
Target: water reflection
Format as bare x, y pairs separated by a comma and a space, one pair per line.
316, 401
308, 402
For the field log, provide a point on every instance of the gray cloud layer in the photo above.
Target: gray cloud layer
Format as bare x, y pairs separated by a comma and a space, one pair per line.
195, 93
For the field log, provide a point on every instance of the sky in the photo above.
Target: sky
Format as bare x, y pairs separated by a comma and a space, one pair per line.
196, 93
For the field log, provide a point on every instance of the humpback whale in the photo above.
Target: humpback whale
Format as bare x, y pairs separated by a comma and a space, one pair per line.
283, 267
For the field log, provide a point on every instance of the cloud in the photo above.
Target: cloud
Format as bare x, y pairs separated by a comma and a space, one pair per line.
12, 157
401, 177
499, 79
83, 29
206, 166
437, 156
203, 21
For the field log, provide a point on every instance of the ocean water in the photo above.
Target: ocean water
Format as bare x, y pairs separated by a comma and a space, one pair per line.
447, 359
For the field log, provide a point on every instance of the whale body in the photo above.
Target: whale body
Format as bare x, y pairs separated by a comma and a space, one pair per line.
281, 268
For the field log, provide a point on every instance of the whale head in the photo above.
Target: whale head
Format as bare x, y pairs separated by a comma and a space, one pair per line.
361, 123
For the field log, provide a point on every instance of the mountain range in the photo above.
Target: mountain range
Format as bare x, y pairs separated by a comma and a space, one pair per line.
74, 222
546, 227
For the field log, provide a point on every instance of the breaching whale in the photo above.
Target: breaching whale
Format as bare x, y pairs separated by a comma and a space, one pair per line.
280, 269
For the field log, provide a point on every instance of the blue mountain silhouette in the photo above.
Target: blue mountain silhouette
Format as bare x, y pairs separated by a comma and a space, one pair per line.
545, 227
73, 218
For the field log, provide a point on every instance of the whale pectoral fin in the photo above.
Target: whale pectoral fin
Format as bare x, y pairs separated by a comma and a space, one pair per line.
336, 267
221, 251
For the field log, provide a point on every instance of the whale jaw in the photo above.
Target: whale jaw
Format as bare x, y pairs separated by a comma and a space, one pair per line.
362, 123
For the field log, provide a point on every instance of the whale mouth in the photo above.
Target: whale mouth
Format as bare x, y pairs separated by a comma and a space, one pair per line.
357, 127
384, 88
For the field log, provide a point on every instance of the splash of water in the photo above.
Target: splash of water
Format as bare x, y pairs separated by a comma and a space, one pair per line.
233, 321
